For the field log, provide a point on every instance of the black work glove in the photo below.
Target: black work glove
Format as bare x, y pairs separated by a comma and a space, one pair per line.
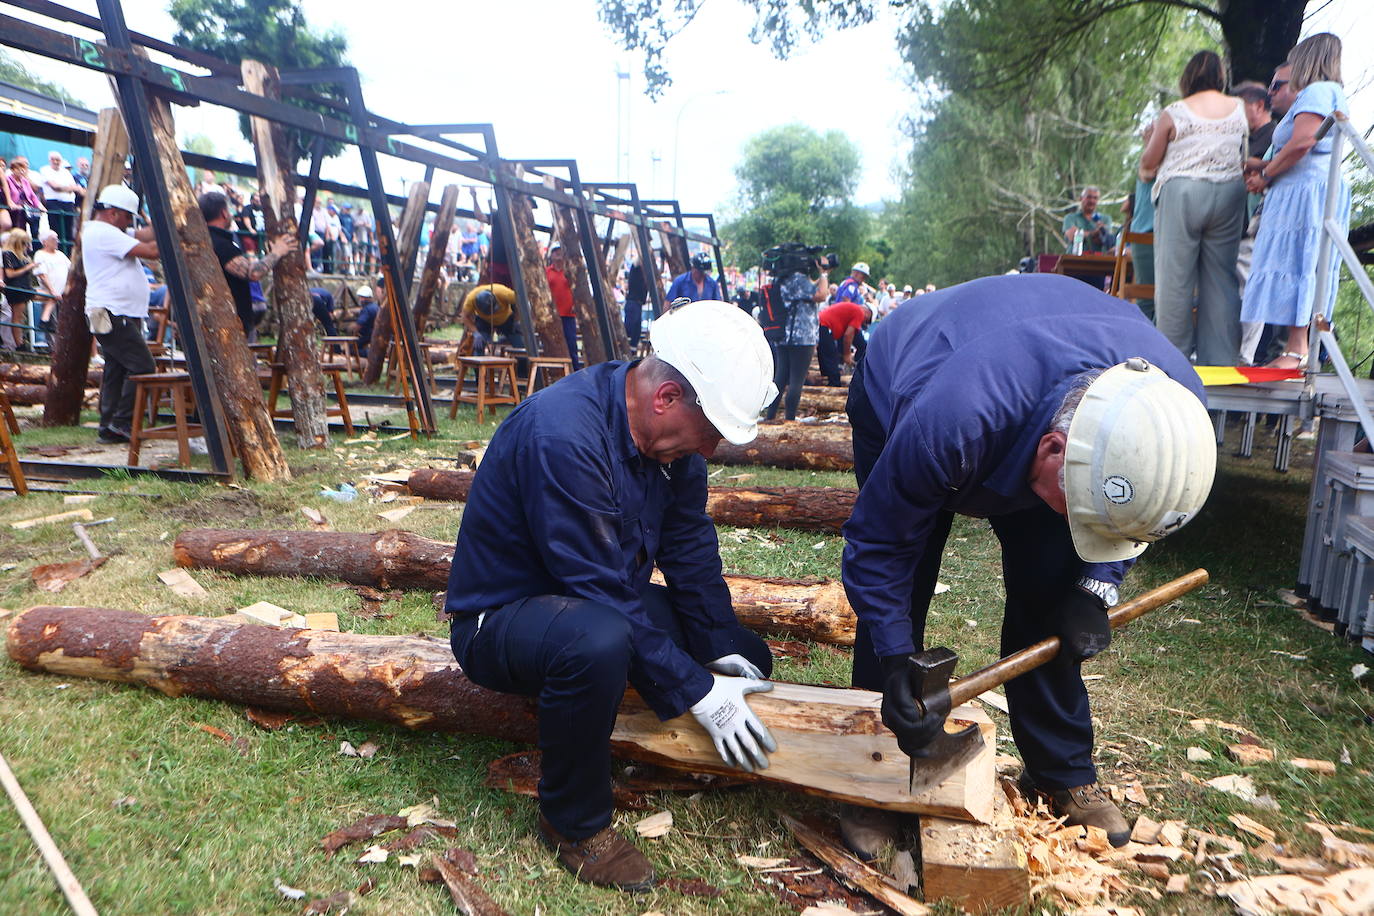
1081, 623
914, 726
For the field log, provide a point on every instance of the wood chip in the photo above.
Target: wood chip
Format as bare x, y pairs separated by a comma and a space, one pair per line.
1339, 851
1157, 870
1198, 755
759, 862
1177, 884
1145, 831
53, 577
994, 699
1345, 893
470, 899
1172, 833
1135, 793
1252, 827
1249, 754
1325, 767
851, 871
1159, 854
181, 583
655, 825
1203, 724
315, 515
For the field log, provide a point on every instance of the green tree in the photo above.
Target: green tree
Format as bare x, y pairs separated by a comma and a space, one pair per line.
272, 31
12, 70
795, 185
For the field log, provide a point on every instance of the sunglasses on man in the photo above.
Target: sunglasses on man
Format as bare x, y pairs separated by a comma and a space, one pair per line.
1276, 85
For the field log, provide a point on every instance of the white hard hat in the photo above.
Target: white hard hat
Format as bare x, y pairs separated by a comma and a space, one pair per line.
120, 197
365, 292
1139, 462
723, 354
861, 267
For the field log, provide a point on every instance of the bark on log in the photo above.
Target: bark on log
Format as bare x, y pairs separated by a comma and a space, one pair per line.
831, 742
588, 321
803, 446
407, 240
825, 399
296, 346
23, 395
803, 508
400, 559
674, 248
71, 349
547, 326
224, 347
434, 259
40, 373
619, 344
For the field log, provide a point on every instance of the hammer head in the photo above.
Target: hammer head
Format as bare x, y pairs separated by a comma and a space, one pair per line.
948, 752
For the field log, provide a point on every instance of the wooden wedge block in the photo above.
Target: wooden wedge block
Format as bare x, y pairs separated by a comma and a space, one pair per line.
977, 867
322, 621
264, 612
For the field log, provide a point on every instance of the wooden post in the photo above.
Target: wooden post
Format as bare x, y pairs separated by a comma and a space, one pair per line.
408, 236
434, 261
296, 346
588, 321
525, 250
619, 344
71, 350
674, 255
225, 349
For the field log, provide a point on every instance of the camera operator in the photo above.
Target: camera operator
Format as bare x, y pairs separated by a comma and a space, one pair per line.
800, 299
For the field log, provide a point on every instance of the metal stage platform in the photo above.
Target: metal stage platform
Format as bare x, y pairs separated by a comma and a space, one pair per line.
1290, 400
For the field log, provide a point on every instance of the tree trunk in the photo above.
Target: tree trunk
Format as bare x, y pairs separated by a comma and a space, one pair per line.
399, 559
824, 399
831, 742
296, 346
823, 509
224, 348
71, 349
434, 260
674, 249
804, 446
1259, 34
588, 321
407, 238
547, 326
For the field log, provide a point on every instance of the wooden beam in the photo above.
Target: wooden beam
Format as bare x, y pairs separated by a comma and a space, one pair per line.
525, 249
976, 867
434, 259
831, 742
296, 346
407, 238
71, 349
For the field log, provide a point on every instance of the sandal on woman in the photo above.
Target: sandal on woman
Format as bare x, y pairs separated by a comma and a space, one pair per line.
1300, 361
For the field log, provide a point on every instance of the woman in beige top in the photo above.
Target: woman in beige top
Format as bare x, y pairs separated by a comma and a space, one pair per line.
1195, 156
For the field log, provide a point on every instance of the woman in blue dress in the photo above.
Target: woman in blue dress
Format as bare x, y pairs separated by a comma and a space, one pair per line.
1283, 283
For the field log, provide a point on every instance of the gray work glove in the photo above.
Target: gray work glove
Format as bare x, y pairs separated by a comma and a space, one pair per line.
740, 738
736, 666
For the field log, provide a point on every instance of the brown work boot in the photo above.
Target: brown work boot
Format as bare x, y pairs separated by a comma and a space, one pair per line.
866, 831
605, 858
1083, 806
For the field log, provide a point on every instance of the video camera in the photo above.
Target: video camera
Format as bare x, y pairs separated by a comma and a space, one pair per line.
794, 257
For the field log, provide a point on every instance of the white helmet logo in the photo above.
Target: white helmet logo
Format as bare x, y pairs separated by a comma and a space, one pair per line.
1118, 490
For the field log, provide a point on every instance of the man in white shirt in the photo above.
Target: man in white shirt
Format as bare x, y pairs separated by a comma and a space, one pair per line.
59, 196
51, 270
117, 303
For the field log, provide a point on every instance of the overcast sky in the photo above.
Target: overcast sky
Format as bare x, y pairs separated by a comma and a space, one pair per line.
544, 73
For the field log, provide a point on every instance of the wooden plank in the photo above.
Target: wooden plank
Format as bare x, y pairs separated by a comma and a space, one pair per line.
434, 258
977, 867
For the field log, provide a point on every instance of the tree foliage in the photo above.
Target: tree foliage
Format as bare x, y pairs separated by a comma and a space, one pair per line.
272, 31
795, 185
12, 70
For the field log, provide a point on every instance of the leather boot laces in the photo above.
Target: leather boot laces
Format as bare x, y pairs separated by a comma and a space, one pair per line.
1090, 796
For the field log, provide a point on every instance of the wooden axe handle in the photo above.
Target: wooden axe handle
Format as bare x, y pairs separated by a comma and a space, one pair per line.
963, 689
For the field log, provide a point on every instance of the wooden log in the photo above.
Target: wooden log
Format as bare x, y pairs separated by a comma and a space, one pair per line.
825, 399
674, 249
815, 610
407, 240
805, 446
575, 267
976, 867
224, 348
547, 326
831, 742
71, 348
434, 260
823, 509
24, 395
39, 373
296, 346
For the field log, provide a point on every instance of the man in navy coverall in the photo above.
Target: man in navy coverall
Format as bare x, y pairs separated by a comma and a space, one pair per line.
585, 487
991, 401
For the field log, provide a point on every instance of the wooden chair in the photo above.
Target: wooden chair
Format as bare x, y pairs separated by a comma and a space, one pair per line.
348, 347
491, 374
161, 319
277, 383
148, 392
9, 427
557, 367
1123, 272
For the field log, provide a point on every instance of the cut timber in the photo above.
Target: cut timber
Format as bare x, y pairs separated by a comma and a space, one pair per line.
24, 395
38, 374
804, 446
400, 559
825, 399
831, 742
529, 260
851, 871
71, 349
823, 509
977, 867
296, 347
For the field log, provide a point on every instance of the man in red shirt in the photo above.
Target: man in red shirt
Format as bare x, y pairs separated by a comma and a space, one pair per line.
563, 301
839, 325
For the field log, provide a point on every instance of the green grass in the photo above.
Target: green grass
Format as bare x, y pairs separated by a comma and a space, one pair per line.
213, 825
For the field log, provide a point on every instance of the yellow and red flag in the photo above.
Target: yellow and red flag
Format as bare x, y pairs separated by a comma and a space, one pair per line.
1240, 375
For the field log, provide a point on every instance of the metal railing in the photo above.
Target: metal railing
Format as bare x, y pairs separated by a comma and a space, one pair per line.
1334, 240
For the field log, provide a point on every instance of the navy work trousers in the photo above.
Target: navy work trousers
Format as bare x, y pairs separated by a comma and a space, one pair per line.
574, 656
1050, 718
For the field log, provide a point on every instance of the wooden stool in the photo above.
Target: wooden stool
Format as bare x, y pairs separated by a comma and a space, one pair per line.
557, 366
8, 451
277, 383
351, 357
488, 372
263, 351
149, 390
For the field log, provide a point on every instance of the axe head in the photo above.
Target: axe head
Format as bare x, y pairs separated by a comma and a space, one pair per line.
948, 752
